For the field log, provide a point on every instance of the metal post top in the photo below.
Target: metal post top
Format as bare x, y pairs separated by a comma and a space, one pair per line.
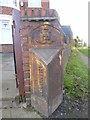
46, 55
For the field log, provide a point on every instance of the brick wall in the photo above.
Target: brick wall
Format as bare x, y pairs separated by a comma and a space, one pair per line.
6, 48
34, 13
45, 5
25, 28
6, 10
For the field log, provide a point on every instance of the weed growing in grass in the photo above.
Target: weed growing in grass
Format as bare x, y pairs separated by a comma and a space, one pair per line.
76, 77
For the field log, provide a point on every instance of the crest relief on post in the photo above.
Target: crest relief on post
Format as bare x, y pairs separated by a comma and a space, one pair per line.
45, 35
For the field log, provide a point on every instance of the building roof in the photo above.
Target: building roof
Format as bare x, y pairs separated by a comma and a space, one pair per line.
67, 30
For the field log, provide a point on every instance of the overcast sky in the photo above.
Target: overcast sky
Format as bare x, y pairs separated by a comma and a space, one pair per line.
73, 13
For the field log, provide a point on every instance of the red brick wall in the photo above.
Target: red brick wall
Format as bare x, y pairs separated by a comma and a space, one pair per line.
0, 10
25, 58
45, 5
32, 13
6, 48
6, 10
26, 26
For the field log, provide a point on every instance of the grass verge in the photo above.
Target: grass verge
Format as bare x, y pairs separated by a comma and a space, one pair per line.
84, 50
76, 77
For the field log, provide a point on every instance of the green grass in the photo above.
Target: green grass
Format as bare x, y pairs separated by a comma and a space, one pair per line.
84, 50
76, 77
89, 52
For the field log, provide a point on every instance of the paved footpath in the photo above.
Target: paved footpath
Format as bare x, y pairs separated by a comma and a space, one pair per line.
85, 59
9, 107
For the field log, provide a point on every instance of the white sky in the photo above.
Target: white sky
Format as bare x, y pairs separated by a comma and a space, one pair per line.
73, 13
